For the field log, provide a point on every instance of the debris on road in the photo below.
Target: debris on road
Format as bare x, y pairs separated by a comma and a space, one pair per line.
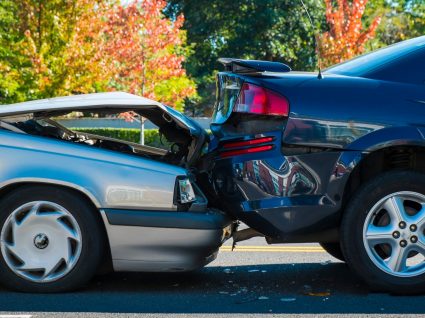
288, 299
246, 300
319, 294
307, 289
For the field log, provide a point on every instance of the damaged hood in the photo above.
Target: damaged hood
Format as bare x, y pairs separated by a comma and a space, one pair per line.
166, 118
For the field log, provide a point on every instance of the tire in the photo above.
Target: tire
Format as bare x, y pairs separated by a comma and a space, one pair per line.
334, 249
372, 232
68, 242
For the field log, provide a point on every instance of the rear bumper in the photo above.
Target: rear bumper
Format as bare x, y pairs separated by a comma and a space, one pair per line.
291, 198
164, 241
310, 218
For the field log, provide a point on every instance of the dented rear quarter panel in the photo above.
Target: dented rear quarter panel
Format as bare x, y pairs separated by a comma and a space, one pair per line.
109, 179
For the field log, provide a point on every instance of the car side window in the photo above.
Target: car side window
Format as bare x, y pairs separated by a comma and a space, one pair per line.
410, 69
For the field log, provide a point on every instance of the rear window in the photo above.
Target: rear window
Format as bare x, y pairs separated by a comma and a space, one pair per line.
366, 64
408, 70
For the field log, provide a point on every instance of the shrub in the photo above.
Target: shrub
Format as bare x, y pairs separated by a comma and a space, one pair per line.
152, 137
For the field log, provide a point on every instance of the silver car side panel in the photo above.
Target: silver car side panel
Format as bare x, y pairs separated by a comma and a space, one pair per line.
52, 182
153, 249
110, 179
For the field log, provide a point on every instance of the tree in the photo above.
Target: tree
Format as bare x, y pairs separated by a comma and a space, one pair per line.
38, 43
88, 69
275, 30
147, 52
55, 47
401, 20
11, 79
346, 37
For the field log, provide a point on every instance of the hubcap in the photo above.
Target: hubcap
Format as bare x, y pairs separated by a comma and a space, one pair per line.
393, 234
41, 241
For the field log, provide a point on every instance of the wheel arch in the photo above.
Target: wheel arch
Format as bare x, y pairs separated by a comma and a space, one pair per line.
385, 149
15, 184
84, 194
383, 158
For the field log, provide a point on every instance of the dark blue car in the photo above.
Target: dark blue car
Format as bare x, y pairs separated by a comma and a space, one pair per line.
337, 159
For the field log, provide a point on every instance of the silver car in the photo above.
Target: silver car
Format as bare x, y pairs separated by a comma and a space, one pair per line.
71, 202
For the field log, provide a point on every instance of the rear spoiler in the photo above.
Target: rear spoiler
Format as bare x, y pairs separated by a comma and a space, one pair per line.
252, 66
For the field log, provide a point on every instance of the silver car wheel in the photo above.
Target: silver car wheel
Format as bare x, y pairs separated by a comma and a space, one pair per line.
41, 241
393, 234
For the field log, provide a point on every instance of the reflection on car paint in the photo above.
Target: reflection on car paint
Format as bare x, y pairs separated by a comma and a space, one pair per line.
326, 133
289, 179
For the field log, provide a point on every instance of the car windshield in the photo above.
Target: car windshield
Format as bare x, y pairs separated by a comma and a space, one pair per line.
365, 63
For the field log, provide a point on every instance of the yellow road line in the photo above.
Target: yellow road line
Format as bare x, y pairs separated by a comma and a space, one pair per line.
290, 249
274, 246
271, 251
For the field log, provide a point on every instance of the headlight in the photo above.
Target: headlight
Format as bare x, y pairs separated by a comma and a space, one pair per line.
186, 193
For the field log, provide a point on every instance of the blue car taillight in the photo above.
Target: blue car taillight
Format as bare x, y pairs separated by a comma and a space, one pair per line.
244, 143
235, 95
255, 99
236, 148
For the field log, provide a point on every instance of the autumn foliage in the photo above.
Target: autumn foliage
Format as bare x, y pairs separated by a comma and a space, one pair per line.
145, 51
346, 37
84, 46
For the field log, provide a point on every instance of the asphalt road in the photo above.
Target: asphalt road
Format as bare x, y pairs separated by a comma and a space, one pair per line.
257, 279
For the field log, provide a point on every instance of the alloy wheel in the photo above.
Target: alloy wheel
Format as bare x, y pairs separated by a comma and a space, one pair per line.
393, 234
